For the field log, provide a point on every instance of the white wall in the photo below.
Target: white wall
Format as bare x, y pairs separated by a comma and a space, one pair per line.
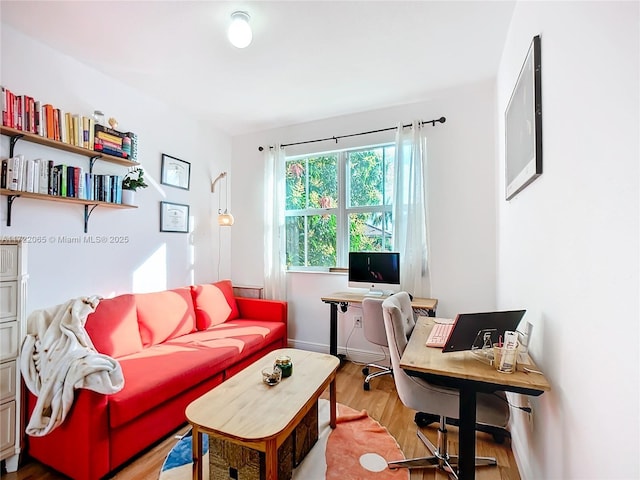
150, 260
568, 244
461, 183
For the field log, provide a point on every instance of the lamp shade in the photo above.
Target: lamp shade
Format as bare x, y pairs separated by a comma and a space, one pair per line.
239, 32
225, 219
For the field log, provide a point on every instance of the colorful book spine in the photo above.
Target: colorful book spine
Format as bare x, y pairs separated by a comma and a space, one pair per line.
50, 177
4, 93
13, 171
3, 174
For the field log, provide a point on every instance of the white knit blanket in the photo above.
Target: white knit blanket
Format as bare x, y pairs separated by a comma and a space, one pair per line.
57, 357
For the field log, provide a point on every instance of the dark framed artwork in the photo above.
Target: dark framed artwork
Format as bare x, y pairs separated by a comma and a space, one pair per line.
175, 172
523, 125
174, 217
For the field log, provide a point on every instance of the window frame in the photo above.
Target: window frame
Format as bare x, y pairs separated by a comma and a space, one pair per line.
343, 210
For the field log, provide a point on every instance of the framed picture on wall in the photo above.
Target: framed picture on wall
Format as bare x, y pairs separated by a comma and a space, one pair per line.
175, 172
523, 125
174, 217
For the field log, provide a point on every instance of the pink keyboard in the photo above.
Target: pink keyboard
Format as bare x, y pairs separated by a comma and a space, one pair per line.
439, 334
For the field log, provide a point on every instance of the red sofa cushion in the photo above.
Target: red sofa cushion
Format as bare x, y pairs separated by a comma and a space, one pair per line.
164, 315
113, 327
245, 336
214, 303
164, 371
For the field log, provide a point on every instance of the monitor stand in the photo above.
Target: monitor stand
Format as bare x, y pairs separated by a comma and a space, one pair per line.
374, 293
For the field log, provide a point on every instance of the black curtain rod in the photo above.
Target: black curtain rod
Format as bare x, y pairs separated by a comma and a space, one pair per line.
432, 122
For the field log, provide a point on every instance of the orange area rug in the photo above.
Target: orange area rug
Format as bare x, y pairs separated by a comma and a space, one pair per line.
357, 449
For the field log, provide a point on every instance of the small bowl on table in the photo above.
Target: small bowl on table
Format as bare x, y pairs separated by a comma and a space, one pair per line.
271, 376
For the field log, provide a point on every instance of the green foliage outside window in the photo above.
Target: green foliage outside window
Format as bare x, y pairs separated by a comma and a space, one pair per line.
313, 205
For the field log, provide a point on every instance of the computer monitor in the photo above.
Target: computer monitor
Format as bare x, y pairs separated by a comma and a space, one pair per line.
377, 271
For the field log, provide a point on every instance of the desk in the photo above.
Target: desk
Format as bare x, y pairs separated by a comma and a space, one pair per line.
344, 299
462, 371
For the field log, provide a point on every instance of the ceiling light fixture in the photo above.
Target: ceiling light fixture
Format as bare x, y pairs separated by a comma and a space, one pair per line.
240, 31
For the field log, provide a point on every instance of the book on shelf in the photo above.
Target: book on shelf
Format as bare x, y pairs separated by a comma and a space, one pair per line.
108, 131
19, 172
50, 177
43, 178
92, 133
19, 102
68, 126
37, 107
62, 175
107, 137
62, 126
4, 92
26, 114
71, 181
88, 186
85, 132
14, 167
48, 120
77, 125
30, 166
3, 173
56, 180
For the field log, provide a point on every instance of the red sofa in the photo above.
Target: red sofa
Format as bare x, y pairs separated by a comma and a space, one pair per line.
173, 346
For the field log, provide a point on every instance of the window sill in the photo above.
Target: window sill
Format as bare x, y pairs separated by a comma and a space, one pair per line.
331, 271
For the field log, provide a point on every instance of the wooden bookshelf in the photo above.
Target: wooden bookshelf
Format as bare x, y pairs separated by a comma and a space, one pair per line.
55, 198
89, 205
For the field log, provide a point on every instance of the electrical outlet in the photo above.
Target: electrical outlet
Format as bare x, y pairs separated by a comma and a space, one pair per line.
357, 321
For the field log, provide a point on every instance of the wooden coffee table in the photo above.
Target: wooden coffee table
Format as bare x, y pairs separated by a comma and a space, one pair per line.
245, 411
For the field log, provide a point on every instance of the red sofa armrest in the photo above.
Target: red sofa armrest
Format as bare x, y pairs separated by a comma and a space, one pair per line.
261, 309
79, 447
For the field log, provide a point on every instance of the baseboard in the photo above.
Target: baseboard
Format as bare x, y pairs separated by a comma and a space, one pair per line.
351, 354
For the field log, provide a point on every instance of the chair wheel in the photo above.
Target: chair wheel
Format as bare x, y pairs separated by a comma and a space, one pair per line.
365, 371
366, 386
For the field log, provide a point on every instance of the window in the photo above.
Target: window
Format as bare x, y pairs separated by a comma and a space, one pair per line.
338, 202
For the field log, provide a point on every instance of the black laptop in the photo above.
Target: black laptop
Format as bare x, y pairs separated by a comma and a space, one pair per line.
468, 325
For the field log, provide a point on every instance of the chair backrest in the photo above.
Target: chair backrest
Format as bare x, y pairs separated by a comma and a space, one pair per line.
398, 307
373, 322
415, 393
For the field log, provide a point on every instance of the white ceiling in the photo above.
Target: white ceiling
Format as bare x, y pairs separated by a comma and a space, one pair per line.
308, 60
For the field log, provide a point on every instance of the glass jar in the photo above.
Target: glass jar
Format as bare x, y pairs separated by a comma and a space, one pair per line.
271, 376
285, 364
98, 116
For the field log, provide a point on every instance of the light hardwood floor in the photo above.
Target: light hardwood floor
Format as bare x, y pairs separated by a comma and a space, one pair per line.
382, 404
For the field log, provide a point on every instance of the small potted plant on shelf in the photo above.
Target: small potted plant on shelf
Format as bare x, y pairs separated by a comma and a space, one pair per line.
132, 181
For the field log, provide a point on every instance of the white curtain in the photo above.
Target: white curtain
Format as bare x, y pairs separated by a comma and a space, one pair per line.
275, 286
410, 226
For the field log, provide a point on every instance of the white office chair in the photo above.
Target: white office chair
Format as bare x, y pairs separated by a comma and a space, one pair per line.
374, 332
421, 395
